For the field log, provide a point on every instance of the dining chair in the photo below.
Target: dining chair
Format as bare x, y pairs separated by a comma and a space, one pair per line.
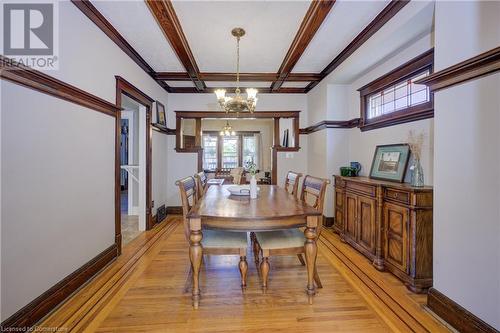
201, 184
291, 241
214, 242
237, 175
292, 182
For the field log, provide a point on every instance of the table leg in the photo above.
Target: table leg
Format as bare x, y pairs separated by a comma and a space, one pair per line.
311, 251
195, 255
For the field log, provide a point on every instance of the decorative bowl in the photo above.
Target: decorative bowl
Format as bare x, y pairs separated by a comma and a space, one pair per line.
240, 190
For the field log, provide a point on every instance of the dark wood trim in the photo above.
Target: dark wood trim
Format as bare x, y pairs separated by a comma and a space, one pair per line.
378, 22
162, 129
315, 15
231, 90
223, 76
174, 210
100, 21
422, 62
41, 82
29, 315
276, 141
220, 114
164, 13
483, 64
457, 316
126, 88
330, 124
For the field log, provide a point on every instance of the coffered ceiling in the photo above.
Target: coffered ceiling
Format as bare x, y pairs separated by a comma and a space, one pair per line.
289, 46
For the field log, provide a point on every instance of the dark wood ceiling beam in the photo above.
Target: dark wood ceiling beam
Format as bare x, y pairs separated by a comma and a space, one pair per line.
378, 22
164, 13
100, 21
316, 14
213, 76
231, 90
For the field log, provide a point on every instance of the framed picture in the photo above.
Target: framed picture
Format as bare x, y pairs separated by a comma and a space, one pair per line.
390, 162
161, 117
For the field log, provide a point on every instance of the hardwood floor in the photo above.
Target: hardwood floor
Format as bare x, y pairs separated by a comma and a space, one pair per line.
144, 291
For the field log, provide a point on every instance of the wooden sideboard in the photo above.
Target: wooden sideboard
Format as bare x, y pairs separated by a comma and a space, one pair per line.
389, 223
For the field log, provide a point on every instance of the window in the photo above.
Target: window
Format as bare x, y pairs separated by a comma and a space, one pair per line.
228, 151
395, 98
210, 152
249, 149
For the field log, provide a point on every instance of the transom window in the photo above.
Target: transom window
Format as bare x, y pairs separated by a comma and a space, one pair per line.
396, 98
228, 152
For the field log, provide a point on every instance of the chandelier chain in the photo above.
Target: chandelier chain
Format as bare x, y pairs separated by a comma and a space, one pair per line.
237, 62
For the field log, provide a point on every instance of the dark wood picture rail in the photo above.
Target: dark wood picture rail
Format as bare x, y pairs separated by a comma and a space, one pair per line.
385, 15
330, 124
483, 64
36, 80
100, 21
315, 15
455, 314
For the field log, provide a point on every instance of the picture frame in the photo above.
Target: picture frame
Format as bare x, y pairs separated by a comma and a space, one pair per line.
390, 162
161, 117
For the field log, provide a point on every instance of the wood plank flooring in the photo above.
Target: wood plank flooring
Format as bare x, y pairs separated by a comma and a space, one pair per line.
143, 291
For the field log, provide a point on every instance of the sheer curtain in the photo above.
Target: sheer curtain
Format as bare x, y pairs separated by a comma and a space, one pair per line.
258, 150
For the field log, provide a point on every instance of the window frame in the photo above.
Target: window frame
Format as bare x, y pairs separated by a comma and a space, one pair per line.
239, 134
419, 64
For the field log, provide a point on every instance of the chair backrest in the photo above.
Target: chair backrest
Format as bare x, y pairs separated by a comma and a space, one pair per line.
237, 174
292, 182
187, 189
313, 191
313, 194
201, 184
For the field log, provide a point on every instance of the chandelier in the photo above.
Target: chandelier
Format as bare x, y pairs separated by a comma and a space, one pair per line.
227, 130
237, 103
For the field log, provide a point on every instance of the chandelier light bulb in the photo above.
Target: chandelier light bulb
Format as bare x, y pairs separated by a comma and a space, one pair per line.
220, 93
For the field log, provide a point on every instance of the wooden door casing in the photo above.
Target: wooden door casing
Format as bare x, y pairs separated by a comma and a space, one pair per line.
350, 216
396, 222
366, 209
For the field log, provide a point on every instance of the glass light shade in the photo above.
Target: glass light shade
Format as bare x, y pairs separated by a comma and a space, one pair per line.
233, 133
252, 93
220, 93
221, 133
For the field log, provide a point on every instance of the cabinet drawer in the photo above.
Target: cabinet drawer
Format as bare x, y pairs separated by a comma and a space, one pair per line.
403, 197
362, 188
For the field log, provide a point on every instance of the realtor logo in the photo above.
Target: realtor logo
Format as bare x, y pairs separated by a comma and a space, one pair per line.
29, 34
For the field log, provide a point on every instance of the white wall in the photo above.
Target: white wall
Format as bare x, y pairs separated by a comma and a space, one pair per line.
467, 159
57, 191
159, 170
82, 225
185, 164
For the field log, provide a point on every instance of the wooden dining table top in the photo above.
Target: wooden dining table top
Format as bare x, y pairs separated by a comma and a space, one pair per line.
272, 202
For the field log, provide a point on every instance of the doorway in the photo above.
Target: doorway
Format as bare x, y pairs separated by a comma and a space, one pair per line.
132, 169
133, 145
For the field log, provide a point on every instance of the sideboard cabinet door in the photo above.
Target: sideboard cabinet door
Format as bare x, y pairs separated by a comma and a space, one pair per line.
350, 216
396, 220
366, 223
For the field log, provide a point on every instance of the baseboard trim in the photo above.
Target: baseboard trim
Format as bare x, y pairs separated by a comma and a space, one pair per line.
174, 210
45, 303
328, 221
453, 313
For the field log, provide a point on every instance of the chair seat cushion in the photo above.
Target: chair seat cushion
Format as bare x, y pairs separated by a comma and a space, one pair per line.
224, 239
281, 239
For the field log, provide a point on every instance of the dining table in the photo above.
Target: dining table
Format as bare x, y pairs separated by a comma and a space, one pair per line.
273, 209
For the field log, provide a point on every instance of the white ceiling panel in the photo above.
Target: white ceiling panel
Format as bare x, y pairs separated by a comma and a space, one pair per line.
295, 84
413, 23
231, 84
134, 22
270, 28
180, 84
344, 22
